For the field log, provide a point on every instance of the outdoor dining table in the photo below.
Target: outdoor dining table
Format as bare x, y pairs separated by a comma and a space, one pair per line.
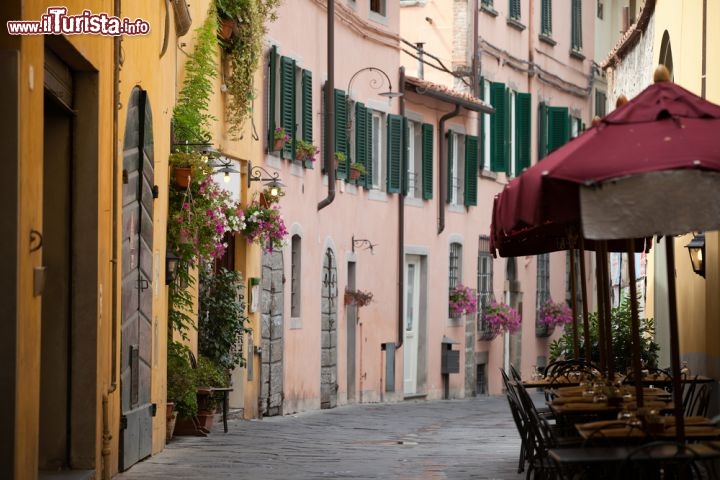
696, 428
604, 461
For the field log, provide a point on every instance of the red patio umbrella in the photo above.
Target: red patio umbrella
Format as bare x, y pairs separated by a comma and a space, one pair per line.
652, 167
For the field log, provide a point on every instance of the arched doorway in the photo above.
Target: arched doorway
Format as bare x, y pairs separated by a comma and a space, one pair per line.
272, 326
137, 264
328, 320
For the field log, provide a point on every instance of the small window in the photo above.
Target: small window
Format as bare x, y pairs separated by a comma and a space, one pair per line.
484, 282
576, 26
454, 165
543, 291
378, 137
414, 152
295, 273
455, 265
600, 103
546, 18
378, 6
515, 9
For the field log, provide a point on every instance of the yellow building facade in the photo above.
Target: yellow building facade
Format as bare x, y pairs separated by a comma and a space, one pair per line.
86, 134
686, 41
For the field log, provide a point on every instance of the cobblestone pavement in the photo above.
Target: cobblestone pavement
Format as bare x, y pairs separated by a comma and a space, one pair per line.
445, 439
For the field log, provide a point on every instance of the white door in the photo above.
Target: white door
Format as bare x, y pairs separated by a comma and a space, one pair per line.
412, 318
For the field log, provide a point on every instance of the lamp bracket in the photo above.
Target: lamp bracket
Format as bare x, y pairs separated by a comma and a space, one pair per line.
363, 243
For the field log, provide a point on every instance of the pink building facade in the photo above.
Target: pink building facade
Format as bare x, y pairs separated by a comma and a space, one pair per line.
416, 222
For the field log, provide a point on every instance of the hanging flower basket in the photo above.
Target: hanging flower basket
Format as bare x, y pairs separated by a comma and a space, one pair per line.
463, 300
358, 298
555, 314
501, 317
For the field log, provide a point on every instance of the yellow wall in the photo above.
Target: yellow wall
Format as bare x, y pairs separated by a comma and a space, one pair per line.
698, 299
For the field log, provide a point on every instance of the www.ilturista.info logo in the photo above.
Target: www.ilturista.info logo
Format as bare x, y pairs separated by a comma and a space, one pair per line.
57, 22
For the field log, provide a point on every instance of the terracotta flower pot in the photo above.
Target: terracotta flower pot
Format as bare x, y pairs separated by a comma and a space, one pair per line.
354, 173
182, 176
226, 28
278, 144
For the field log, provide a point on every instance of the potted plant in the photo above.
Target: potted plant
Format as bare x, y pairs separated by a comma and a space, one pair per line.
356, 169
340, 159
305, 150
222, 317
243, 50
501, 317
621, 320
462, 300
280, 137
187, 166
181, 387
359, 298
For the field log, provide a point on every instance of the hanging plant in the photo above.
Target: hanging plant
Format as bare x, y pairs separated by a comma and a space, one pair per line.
463, 300
264, 226
359, 298
501, 317
242, 53
191, 120
554, 314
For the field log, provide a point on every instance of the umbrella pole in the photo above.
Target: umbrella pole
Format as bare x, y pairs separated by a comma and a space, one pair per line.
583, 290
607, 311
600, 310
674, 340
635, 325
573, 299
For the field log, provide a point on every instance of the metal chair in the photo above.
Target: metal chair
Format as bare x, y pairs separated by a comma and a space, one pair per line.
665, 460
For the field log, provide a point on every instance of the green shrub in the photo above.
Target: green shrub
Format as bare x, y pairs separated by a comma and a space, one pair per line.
621, 328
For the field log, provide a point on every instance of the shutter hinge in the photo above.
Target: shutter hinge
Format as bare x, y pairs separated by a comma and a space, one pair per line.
155, 191
123, 422
153, 409
125, 177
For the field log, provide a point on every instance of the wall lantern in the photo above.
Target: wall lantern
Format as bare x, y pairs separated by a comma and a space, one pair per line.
171, 267
271, 180
696, 249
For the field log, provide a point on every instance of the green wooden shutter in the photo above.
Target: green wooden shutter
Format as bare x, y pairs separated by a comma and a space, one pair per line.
362, 152
450, 153
499, 126
272, 86
341, 143
368, 175
471, 170
483, 160
558, 127
287, 104
405, 156
546, 18
394, 153
542, 131
522, 131
427, 161
307, 114
576, 30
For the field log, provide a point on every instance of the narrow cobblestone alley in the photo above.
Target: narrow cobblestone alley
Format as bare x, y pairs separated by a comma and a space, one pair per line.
447, 439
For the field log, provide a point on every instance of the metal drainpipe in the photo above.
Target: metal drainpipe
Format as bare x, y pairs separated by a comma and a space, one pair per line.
330, 106
443, 162
401, 221
107, 436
